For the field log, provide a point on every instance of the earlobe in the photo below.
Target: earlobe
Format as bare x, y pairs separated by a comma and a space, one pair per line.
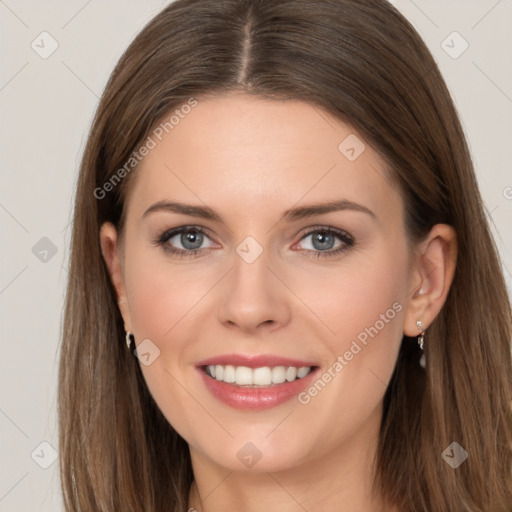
433, 274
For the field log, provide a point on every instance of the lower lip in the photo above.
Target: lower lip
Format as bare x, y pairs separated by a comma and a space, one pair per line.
241, 397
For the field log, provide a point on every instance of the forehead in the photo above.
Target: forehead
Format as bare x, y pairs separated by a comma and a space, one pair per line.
247, 155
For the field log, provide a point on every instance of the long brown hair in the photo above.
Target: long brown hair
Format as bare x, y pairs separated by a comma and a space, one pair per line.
363, 62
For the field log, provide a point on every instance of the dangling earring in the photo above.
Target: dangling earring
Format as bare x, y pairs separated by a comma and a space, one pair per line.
130, 338
421, 339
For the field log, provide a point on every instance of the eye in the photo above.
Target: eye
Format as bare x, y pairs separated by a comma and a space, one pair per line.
323, 242
190, 238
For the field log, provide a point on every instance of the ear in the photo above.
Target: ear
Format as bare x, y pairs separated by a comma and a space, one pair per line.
111, 255
431, 277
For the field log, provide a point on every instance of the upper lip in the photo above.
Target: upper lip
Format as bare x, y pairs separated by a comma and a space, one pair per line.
254, 361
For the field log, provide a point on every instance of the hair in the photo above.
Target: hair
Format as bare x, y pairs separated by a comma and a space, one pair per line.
362, 62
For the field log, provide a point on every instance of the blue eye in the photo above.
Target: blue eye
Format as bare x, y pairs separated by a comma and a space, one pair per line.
323, 240
192, 238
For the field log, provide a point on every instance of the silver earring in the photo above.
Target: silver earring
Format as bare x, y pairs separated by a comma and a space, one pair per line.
129, 340
421, 337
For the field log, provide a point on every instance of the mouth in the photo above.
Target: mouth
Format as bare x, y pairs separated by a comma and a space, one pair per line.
259, 377
255, 383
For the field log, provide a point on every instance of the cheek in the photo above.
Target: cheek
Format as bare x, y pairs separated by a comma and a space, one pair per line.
163, 296
363, 304
162, 304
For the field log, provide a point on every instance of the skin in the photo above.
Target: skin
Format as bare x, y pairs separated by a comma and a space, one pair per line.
250, 159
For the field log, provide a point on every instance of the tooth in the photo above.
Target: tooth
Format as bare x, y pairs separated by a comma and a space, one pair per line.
229, 373
278, 374
291, 373
219, 372
262, 376
303, 371
243, 375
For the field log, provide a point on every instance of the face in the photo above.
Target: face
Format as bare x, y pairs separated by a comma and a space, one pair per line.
261, 282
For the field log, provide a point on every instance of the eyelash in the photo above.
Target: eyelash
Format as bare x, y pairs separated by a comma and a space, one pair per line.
348, 241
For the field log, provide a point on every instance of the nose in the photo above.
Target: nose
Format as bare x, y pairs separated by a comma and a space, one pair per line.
254, 296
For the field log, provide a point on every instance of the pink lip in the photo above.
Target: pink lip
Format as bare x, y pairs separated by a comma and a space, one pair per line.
240, 397
256, 398
254, 361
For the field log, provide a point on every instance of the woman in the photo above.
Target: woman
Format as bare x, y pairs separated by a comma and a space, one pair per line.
277, 214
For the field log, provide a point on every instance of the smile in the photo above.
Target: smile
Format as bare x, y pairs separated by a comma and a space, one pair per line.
264, 376
254, 383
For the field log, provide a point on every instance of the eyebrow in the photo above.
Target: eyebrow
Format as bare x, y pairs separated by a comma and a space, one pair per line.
290, 215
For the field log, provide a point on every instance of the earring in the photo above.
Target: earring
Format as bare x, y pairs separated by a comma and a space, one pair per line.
421, 337
130, 338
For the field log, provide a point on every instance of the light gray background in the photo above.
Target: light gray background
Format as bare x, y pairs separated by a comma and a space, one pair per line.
46, 109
